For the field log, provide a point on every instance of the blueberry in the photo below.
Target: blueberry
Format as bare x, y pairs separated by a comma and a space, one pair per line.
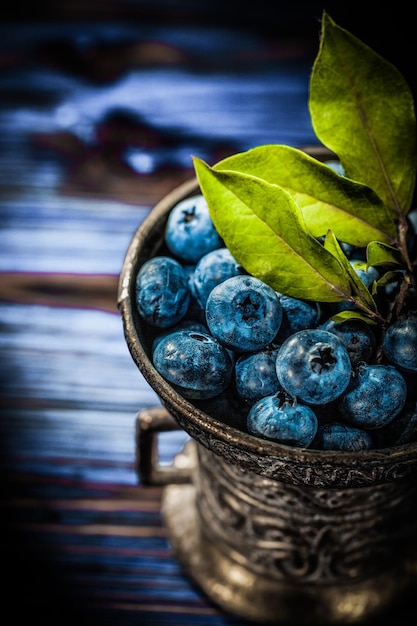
375, 395
184, 324
367, 274
190, 232
336, 436
336, 165
212, 269
194, 363
276, 417
297, 315
400, 343
402, 429
357, 336
243, 313
162, 291
314, 366
256, 375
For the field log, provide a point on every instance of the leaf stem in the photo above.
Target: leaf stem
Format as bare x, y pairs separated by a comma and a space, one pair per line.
374, 315
402, 241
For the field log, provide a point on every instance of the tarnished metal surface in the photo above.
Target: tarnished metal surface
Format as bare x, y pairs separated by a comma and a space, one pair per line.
279, 554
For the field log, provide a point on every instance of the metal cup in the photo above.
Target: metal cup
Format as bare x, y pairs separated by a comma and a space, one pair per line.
273, 533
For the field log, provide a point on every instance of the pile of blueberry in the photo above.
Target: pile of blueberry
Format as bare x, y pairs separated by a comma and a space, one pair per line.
269, 364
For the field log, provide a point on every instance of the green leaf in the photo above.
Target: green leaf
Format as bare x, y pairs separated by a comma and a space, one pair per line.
342, 316
362, 109
389, 278
264, 230
380, 254
327, 200
358, 288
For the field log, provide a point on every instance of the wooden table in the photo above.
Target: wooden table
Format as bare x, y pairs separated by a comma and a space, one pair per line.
98, 120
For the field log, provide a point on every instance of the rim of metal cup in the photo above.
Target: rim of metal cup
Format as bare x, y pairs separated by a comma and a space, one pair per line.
267, 458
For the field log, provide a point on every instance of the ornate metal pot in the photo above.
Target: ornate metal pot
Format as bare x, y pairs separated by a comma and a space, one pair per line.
272, 533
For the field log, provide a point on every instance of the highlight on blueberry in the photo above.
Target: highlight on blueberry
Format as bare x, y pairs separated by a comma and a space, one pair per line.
243, 313
212, 269
162, 292
313, 365
279, 418
256, 375
400, 343
195, 364
375, 396
189, 232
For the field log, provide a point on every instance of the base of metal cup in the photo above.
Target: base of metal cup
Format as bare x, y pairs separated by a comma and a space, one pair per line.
233, 580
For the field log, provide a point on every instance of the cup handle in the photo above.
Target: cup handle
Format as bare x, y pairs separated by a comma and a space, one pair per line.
149, 423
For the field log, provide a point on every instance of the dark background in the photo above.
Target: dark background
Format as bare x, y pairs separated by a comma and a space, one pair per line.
388, 28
